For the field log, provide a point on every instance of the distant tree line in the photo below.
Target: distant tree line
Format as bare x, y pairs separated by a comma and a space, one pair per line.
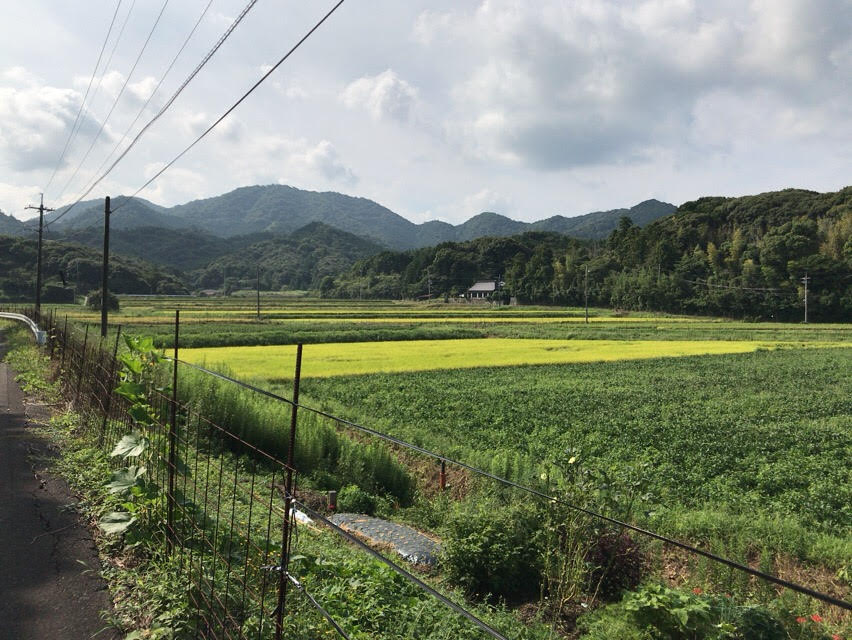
738, 257
73, 269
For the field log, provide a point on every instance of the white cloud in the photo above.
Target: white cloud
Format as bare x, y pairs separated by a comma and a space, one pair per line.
589, 83
34, 124
15, 197
143, 89
324, 160
178, 183
21, 76
485, 200
384, 96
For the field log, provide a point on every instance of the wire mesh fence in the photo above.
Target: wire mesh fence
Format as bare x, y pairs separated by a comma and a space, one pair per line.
219, 514
223, 507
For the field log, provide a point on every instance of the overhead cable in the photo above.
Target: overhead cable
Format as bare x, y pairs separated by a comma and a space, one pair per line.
83, 102
103, 74
117, 98
95, 178
236, 104
164, 108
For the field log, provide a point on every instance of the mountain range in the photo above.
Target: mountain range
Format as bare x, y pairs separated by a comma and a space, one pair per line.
281, 209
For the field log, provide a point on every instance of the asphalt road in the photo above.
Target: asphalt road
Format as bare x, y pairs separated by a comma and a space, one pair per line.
50, 585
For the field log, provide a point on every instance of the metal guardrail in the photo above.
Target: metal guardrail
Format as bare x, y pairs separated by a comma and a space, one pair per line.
40, 336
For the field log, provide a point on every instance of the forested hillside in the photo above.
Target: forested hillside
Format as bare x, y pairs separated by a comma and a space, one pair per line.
10, 226
296, 261
741, 257
81, 269
279, 209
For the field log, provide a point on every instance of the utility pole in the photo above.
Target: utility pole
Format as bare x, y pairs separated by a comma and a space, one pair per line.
41, 210
805, 280
105, 274
586, 292
258, 293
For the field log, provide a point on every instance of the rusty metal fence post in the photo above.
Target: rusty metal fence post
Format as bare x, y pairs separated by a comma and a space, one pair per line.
170, 496
283, 581
64, 342
82, 366
110, 380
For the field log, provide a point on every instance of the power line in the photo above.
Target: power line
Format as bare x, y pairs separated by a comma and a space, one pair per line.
237, 103
95, 179
534, 492
103, 74
118, 97
165, 107
80, 110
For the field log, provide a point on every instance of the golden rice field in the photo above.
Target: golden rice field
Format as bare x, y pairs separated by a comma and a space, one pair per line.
338, 359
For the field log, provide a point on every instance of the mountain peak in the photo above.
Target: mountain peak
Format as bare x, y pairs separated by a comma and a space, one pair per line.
283, 209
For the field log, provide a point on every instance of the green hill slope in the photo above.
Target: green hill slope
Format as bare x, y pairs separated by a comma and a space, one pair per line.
81, 268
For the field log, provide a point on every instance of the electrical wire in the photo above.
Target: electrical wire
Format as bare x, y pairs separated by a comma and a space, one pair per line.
535, 492
165, 107
103, 73
88, 88
236, 104
95, 180
117, 98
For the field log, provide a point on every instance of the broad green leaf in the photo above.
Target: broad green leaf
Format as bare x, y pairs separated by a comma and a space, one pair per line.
131, 445
131, 363
123, 479
116, 522
141, 414
133, 391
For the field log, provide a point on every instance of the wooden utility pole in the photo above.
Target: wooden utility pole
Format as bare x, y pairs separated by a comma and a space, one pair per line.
258, 294
586, 292
105, 274
806, 279
41, 209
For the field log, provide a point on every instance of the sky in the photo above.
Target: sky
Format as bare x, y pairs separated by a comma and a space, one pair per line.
437, 110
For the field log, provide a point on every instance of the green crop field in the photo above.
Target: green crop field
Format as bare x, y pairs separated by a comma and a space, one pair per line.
739, 433
760, 439
324, 360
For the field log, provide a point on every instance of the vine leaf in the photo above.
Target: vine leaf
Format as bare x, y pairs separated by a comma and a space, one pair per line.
124, 479
131, 445
116, 522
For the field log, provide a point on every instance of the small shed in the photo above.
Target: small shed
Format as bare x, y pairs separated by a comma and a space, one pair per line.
482, 289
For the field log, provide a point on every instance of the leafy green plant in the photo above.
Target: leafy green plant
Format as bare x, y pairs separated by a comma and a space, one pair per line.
140, 498
492, 550
353, 499
673, 614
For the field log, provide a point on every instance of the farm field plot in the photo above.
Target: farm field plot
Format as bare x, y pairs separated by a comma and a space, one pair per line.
323, 360
220, 322
734, 442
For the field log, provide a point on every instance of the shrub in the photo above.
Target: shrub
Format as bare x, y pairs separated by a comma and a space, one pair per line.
93, 300
614, 565
353, 499
492, 550
674, 614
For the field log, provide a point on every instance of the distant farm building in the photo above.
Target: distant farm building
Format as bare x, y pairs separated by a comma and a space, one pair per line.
483, 289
